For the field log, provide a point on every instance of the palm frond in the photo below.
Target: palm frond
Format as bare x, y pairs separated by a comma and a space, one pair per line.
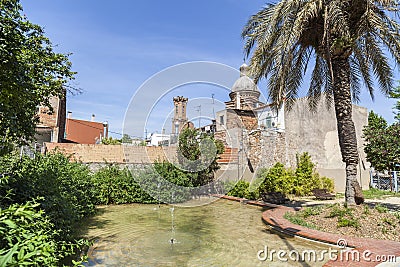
355, 80
360, 59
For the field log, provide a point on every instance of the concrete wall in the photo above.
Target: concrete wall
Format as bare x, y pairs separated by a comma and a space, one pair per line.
316, 133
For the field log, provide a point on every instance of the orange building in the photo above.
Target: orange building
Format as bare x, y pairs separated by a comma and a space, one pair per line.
84, 132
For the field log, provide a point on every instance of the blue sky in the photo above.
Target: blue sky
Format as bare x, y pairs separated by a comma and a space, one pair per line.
118, 45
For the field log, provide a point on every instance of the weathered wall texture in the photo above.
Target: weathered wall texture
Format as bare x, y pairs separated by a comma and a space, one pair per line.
89, 153
316, 133
127, 154
52, 120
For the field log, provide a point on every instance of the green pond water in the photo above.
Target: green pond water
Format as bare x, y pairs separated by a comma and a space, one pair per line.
223, 233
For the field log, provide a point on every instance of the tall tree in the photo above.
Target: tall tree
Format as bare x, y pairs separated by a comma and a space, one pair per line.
197, 154
347, 39
30, 73
382, 143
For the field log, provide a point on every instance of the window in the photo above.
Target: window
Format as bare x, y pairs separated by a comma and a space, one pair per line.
176, 109
221, 120
268, 122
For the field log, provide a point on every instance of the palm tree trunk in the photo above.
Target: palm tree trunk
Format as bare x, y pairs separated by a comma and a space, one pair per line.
346, 129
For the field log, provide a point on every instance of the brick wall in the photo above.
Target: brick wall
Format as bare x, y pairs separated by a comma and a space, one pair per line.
126, 154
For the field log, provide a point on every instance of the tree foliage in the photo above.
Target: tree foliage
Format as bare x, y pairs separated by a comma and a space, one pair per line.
396, 95
30, 73
126, 139
110, 141
284, 37
197, 154
382, 142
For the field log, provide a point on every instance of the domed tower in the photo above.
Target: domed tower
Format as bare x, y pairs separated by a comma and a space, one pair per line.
245, 94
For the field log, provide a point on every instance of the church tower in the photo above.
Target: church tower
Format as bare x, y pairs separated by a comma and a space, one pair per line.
180, 119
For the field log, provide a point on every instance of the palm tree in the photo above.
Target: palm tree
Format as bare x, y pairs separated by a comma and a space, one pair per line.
348, 39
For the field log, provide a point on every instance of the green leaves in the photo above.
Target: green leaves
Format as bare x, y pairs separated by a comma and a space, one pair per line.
27, 238
382, 143
198, 154
396, 95
299, 182
30, 73
358, 31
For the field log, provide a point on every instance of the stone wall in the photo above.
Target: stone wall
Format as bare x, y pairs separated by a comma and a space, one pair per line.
316, 133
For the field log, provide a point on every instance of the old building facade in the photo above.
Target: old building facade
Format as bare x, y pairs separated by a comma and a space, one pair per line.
264, 135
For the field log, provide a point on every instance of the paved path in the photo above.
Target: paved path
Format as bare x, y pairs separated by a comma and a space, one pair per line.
391, 202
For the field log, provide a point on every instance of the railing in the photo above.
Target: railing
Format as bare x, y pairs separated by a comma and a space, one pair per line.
389, 181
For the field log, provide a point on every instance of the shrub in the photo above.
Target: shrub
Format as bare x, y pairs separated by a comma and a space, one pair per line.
242, 189
328, 184
27, 237
61, 185
311, 211
299, 182
346, 222
298, 219
340, 212
277, 179
113, 185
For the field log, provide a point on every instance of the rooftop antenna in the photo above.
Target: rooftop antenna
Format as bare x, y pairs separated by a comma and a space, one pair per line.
212, 96
198, 108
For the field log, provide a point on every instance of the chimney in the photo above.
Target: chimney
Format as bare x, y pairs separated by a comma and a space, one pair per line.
69, 114
105, 124
93, 117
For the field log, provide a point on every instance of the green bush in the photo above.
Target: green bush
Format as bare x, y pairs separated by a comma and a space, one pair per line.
298, 219
277, 179
328, 184
112, 185
27, 237
381, 209
311, 211
61, 185
299, 182
338, 211
242, 189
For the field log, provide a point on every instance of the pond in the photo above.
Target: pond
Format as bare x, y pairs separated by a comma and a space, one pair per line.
223, 233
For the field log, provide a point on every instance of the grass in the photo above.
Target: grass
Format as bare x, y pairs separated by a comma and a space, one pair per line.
298, 219
339, 212
346, 222
374, 193
381, 209
310, 211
